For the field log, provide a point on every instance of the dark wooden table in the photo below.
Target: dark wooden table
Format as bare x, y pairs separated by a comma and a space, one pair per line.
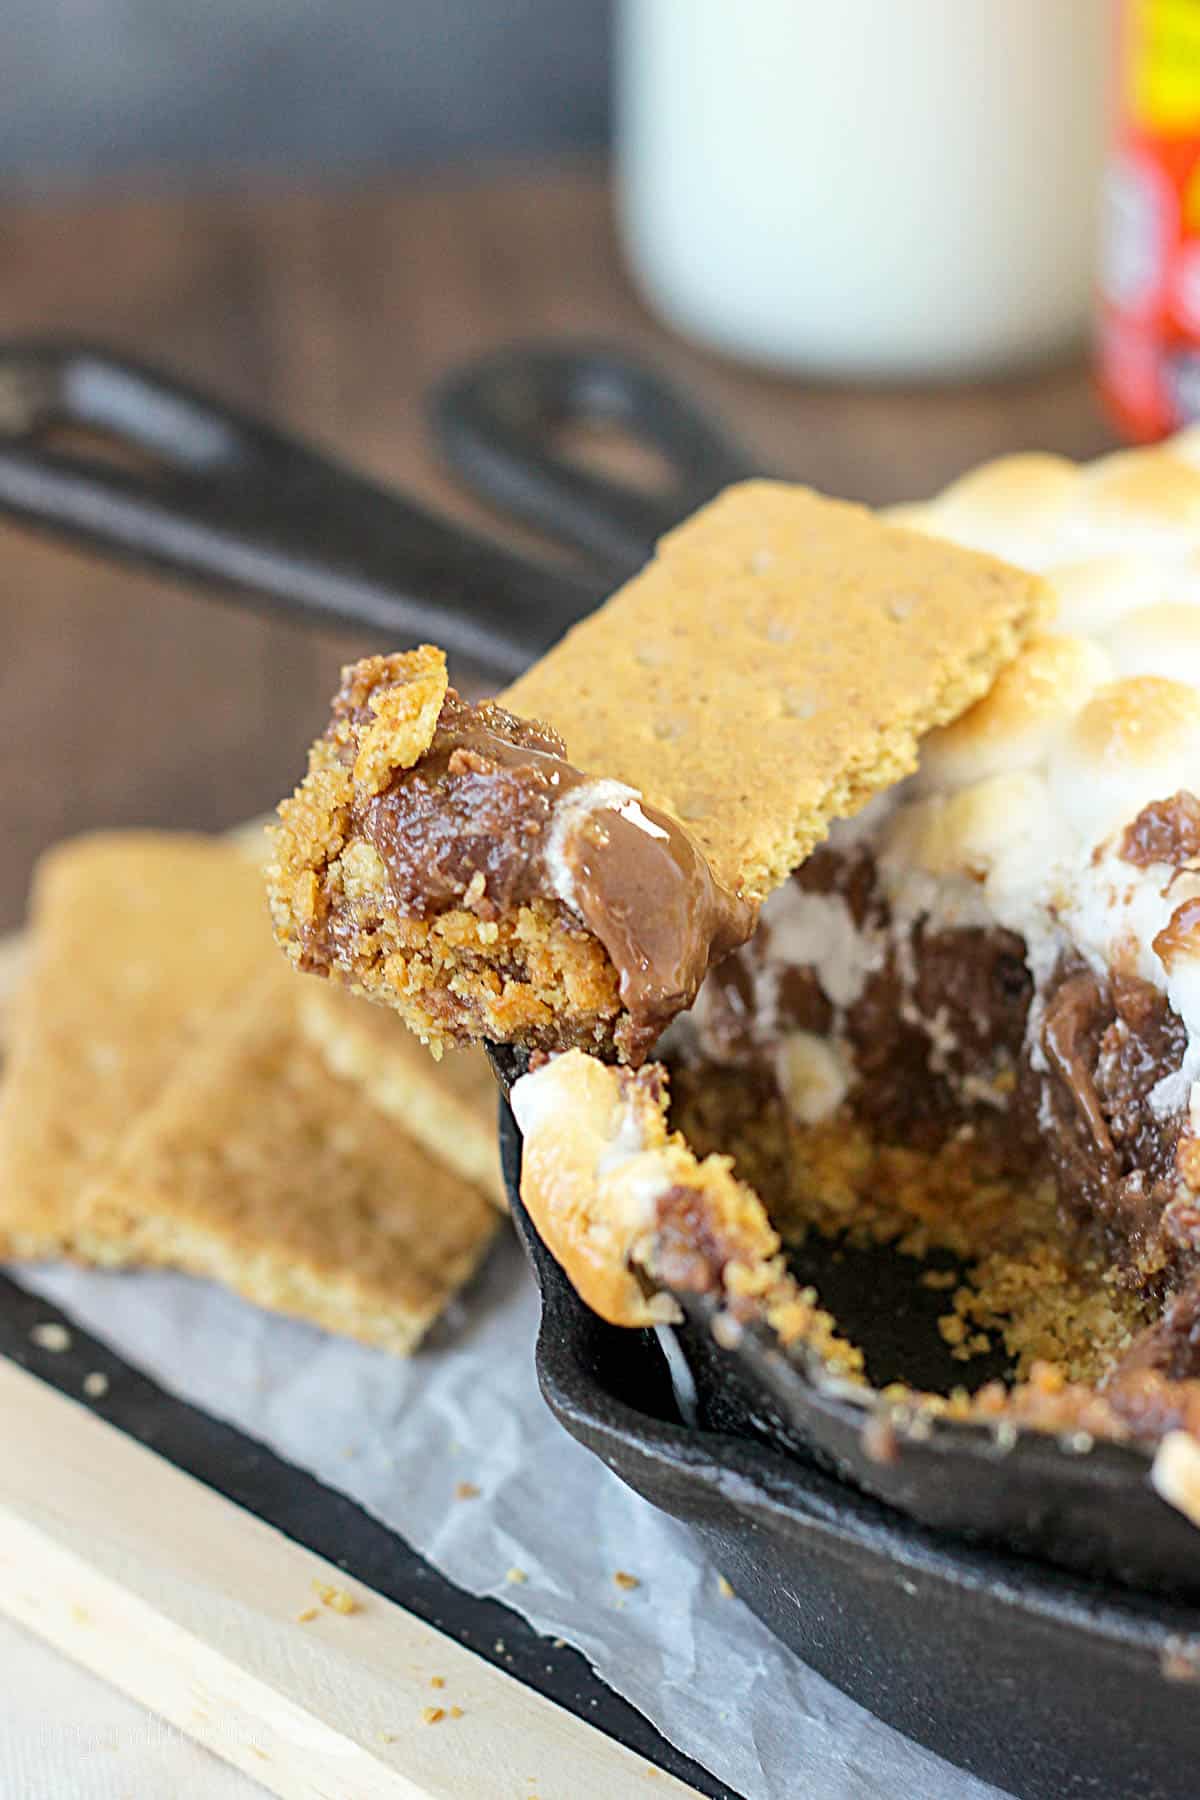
126, 701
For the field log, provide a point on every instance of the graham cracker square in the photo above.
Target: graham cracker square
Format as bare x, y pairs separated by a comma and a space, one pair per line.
138, 940
258, 1167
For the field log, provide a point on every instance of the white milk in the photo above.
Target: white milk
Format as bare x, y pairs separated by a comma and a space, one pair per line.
877, 187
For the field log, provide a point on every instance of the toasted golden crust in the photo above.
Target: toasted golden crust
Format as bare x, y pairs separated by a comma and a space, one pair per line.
138, 941
629, 1211
260, 1168
406, 714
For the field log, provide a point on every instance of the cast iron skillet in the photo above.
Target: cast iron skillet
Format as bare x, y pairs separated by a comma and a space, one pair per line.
1048, 1684
133, 463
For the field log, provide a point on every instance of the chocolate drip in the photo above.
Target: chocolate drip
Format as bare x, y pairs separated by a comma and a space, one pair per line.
1070, 1036
643, 888
494, 816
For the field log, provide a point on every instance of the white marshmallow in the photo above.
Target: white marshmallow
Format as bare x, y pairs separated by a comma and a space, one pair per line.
1015, 814
1135, 741
1159, 640
1030, 704
1092, 593
1012, 507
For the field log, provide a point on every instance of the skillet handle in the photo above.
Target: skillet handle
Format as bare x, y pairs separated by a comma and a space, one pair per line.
497, 422
112, 454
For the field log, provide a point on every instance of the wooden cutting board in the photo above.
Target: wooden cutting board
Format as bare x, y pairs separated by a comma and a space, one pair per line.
196, 1608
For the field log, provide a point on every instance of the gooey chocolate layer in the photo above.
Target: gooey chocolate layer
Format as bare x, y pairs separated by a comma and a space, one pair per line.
936, 1030
494, 816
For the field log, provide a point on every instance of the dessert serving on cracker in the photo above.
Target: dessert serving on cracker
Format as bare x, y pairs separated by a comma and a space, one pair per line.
563, 865
950, 1002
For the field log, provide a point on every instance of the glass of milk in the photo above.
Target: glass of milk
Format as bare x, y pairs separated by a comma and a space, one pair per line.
865, 187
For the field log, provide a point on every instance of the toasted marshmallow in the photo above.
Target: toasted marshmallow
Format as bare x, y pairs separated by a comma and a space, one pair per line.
1012, 507
1093, 593
1159, 640
1017, 811
1135, 741
1027, 709
1135, 501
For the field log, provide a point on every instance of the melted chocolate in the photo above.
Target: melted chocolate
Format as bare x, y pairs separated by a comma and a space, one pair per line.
1113, 1156
642, 887
924, 1033
972, 983
1168, 831
479, 803
480, 823
1070, 1037
1180, 936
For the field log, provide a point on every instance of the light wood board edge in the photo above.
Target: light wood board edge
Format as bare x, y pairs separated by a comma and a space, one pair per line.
191, 1605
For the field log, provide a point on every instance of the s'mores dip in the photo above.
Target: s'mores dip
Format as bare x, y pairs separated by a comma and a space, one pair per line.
925, 790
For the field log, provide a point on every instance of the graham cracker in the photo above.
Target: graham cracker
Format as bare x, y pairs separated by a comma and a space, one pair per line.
774, 666
139, 939
448, 1106
260, 1168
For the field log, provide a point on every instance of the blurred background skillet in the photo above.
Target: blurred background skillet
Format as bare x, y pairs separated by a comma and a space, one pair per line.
130, 462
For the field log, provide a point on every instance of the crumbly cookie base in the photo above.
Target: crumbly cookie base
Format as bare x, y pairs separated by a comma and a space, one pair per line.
531, 976
1060, 1312
528, 979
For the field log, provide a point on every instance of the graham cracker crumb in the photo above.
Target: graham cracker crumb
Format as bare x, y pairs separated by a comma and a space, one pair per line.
307, 1616
337, 1599
625, 1580
724, 1588
456, 1712
51, 1336
516, 1577
406, 713
437, 1681
432, 1714
95, 1385
466, 1490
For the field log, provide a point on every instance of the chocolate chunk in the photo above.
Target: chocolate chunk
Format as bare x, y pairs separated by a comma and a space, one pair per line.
1168, 831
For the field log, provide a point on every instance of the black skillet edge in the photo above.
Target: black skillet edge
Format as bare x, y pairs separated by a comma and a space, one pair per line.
1047, 1683
1082, 1504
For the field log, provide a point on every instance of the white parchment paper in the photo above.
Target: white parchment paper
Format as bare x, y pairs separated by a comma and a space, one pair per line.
399, 1437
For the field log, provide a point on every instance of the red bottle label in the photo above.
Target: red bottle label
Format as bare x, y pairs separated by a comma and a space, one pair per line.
1149, 326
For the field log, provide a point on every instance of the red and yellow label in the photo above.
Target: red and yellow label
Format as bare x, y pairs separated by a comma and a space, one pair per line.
1161, 65
1149, 349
